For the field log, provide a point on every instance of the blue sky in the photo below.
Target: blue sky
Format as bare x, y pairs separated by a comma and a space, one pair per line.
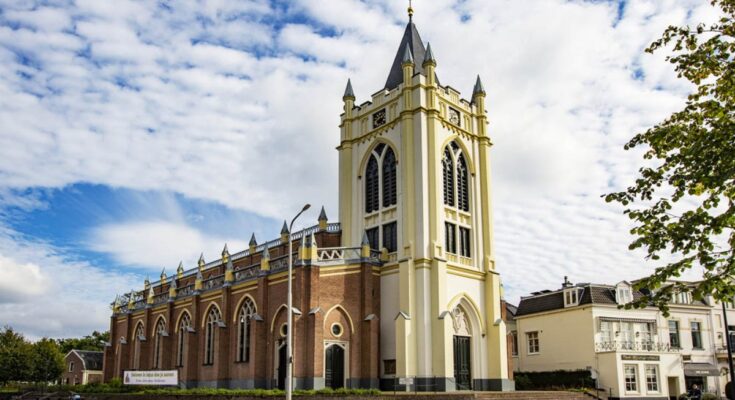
137, 134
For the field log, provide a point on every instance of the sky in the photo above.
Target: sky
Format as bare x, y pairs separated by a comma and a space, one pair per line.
138, 134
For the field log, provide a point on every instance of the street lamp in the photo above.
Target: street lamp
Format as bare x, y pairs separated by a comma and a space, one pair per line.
289, 321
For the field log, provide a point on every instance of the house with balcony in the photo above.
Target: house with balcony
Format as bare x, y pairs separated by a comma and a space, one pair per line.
632, 354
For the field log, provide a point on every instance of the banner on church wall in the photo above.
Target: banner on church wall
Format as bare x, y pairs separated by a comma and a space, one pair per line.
163, 378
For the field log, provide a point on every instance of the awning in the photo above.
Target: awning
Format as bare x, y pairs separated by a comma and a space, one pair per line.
700, 369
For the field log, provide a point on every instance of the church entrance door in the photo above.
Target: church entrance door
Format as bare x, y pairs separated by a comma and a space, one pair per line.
282, 362
462, 363
334, 367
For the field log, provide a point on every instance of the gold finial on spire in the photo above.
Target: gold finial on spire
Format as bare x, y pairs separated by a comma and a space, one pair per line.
410, 10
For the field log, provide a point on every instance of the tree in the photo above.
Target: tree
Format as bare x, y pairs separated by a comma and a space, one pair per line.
47, 361
15, 356
682, 205
94, 342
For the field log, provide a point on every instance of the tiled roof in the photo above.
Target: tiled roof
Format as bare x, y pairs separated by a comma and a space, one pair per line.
412, 40
92, 359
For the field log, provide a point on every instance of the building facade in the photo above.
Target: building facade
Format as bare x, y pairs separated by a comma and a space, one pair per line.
402, 293
82, 367
632, 354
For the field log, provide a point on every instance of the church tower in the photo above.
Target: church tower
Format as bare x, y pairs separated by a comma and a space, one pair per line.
415, 183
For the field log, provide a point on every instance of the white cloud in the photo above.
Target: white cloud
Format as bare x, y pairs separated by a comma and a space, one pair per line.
157, 244
20, 282
213, 102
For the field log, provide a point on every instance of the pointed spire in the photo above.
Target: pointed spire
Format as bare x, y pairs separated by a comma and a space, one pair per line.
151, 294
224, 250
201, 263
180, 270
349, 93
429, 56
163, 275
479, 89
266, 253
173, 283
365, 240
147, 282
253, 242
284, 230
411, 39
322, 215
407, 56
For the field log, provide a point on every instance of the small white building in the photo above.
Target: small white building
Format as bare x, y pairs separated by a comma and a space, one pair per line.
633, 354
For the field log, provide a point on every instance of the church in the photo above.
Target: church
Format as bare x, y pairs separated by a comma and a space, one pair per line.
401, 294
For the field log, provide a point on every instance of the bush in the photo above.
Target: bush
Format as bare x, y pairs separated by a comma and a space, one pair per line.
554, 380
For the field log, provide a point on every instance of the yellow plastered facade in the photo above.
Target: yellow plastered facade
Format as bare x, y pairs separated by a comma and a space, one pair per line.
421, 281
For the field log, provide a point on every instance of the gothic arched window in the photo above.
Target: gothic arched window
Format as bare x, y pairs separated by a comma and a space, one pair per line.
138, 338
448, 172
245, 319
160, 332
463, 191
213, 320
184, 327
372, 191
389, 178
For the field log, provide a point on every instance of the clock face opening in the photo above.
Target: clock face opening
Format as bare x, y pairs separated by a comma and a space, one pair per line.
454, 116
379, 118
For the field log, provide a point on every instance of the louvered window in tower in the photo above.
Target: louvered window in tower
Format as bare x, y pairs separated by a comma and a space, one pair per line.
448, 172
463, 191
389, 178
372, 191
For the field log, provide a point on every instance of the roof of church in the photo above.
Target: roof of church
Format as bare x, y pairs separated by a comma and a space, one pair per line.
411, 39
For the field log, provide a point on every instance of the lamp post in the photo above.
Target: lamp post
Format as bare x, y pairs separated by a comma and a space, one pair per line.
289, 321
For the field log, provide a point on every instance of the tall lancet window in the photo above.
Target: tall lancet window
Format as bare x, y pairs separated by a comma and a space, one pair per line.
448, 172
456, 191
184, 327
244, 327
158, 343
380, 179
372, 190
463, 191
138, 338
389, 178
213, 320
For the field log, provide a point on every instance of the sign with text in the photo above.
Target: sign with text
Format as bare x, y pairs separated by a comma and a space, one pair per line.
405, 381
637, 357
163, 378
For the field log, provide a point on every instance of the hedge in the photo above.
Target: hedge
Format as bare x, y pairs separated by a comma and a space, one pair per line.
551, 380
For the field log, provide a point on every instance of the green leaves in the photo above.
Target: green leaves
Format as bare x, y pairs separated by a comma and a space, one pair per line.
685, 204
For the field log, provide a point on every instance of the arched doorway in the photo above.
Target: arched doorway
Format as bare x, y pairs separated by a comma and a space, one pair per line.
462, 350
282, 365
334, 366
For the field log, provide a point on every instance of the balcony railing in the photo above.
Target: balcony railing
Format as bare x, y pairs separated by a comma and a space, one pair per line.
621, 345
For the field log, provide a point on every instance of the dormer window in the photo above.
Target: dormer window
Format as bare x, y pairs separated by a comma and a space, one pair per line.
571, 297
623, 293
682, 298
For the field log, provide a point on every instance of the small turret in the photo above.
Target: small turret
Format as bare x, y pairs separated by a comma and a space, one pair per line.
323, 220
151, 295
349, 99
180, 270
265, 260
229, 272
407, 64
365, 246
253, 244
225, 255
201, 263
163, 276
284, 232
199, 282
146, 283
116, 304
429, 65
172, 289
